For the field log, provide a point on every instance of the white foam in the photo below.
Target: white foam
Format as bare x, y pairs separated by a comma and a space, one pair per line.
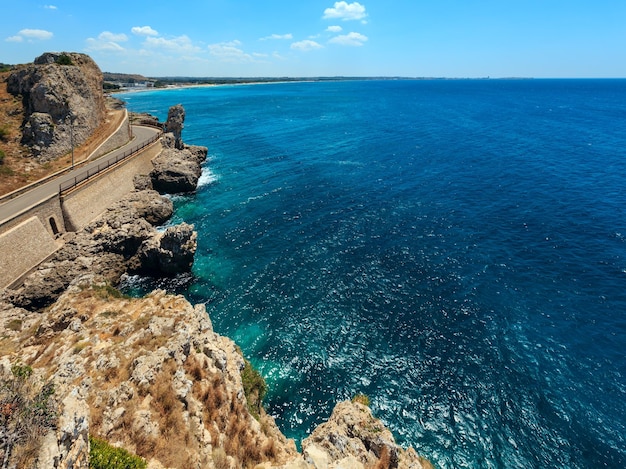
207, 177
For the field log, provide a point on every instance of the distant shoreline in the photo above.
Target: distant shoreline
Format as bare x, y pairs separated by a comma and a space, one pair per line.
219, 82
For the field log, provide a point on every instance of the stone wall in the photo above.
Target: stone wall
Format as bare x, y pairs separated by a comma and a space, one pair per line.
28, 239
24, 247
84, 204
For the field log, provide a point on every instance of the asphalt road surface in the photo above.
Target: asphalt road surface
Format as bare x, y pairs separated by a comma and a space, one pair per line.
13, 207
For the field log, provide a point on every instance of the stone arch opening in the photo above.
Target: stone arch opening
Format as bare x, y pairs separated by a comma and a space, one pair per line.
53, 226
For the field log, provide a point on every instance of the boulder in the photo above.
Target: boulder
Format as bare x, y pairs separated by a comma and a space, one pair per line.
175, 171
169, 253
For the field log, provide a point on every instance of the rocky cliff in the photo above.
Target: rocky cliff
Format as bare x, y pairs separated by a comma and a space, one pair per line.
63, 101
152, 376
79, 359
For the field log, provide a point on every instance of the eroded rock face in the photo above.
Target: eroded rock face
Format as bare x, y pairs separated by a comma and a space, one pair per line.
175, 123
169, 253
175, 171
148, 374
57, 97
110, 246
352, 437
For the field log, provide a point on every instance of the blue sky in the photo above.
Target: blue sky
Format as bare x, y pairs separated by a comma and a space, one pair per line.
433, 38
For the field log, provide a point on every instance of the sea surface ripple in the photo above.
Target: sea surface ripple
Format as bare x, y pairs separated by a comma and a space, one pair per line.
455, 249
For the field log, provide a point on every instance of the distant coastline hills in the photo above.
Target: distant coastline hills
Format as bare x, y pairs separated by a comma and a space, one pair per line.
123, 80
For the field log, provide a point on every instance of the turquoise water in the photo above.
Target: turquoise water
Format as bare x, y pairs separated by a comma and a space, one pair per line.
454, 249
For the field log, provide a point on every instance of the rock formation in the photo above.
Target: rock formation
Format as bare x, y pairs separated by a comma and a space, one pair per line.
179, 166
149, 374
63, 101
353, 438
152, 376
122, 239
174, 124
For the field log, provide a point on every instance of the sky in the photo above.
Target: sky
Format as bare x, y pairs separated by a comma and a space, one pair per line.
305, 38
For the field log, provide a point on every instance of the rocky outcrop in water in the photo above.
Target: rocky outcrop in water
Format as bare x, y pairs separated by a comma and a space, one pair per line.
63, 101
122, 239
175, 123
179, 166
353, 438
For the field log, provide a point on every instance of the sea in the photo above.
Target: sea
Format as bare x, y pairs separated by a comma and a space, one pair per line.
453, 249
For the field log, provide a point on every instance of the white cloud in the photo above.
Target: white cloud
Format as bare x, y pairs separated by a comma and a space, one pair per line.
14, 39
112, 37
229, 52
345, 11
306, 45
50, 7
144, 31
180, 45
106, 42
277, 36
103, 46
351, 39
32, 34
334, 29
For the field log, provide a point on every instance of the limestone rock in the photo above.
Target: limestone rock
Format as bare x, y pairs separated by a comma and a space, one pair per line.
142, 182
149, 205
56, 97
174, 124
109, 247
169, 253
175, 171
158, 391
39, 131
352, 437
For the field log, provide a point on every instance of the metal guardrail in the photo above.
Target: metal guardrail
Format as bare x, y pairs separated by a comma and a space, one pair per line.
89, 173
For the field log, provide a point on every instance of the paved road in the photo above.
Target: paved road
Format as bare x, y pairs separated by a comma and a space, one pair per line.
11, 208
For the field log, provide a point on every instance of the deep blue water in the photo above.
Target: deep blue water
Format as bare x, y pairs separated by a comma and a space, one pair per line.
456, 250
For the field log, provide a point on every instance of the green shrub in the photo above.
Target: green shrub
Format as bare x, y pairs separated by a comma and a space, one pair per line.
362, 399
254, 388
14, 325
4, 133
6, 171
104, 456
64, 59
2, 156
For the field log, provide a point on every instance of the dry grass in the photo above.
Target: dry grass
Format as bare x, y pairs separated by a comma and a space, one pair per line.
384, 461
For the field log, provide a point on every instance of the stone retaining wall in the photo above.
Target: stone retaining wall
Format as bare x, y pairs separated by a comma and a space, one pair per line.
29, 239
85, 203
24, 247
